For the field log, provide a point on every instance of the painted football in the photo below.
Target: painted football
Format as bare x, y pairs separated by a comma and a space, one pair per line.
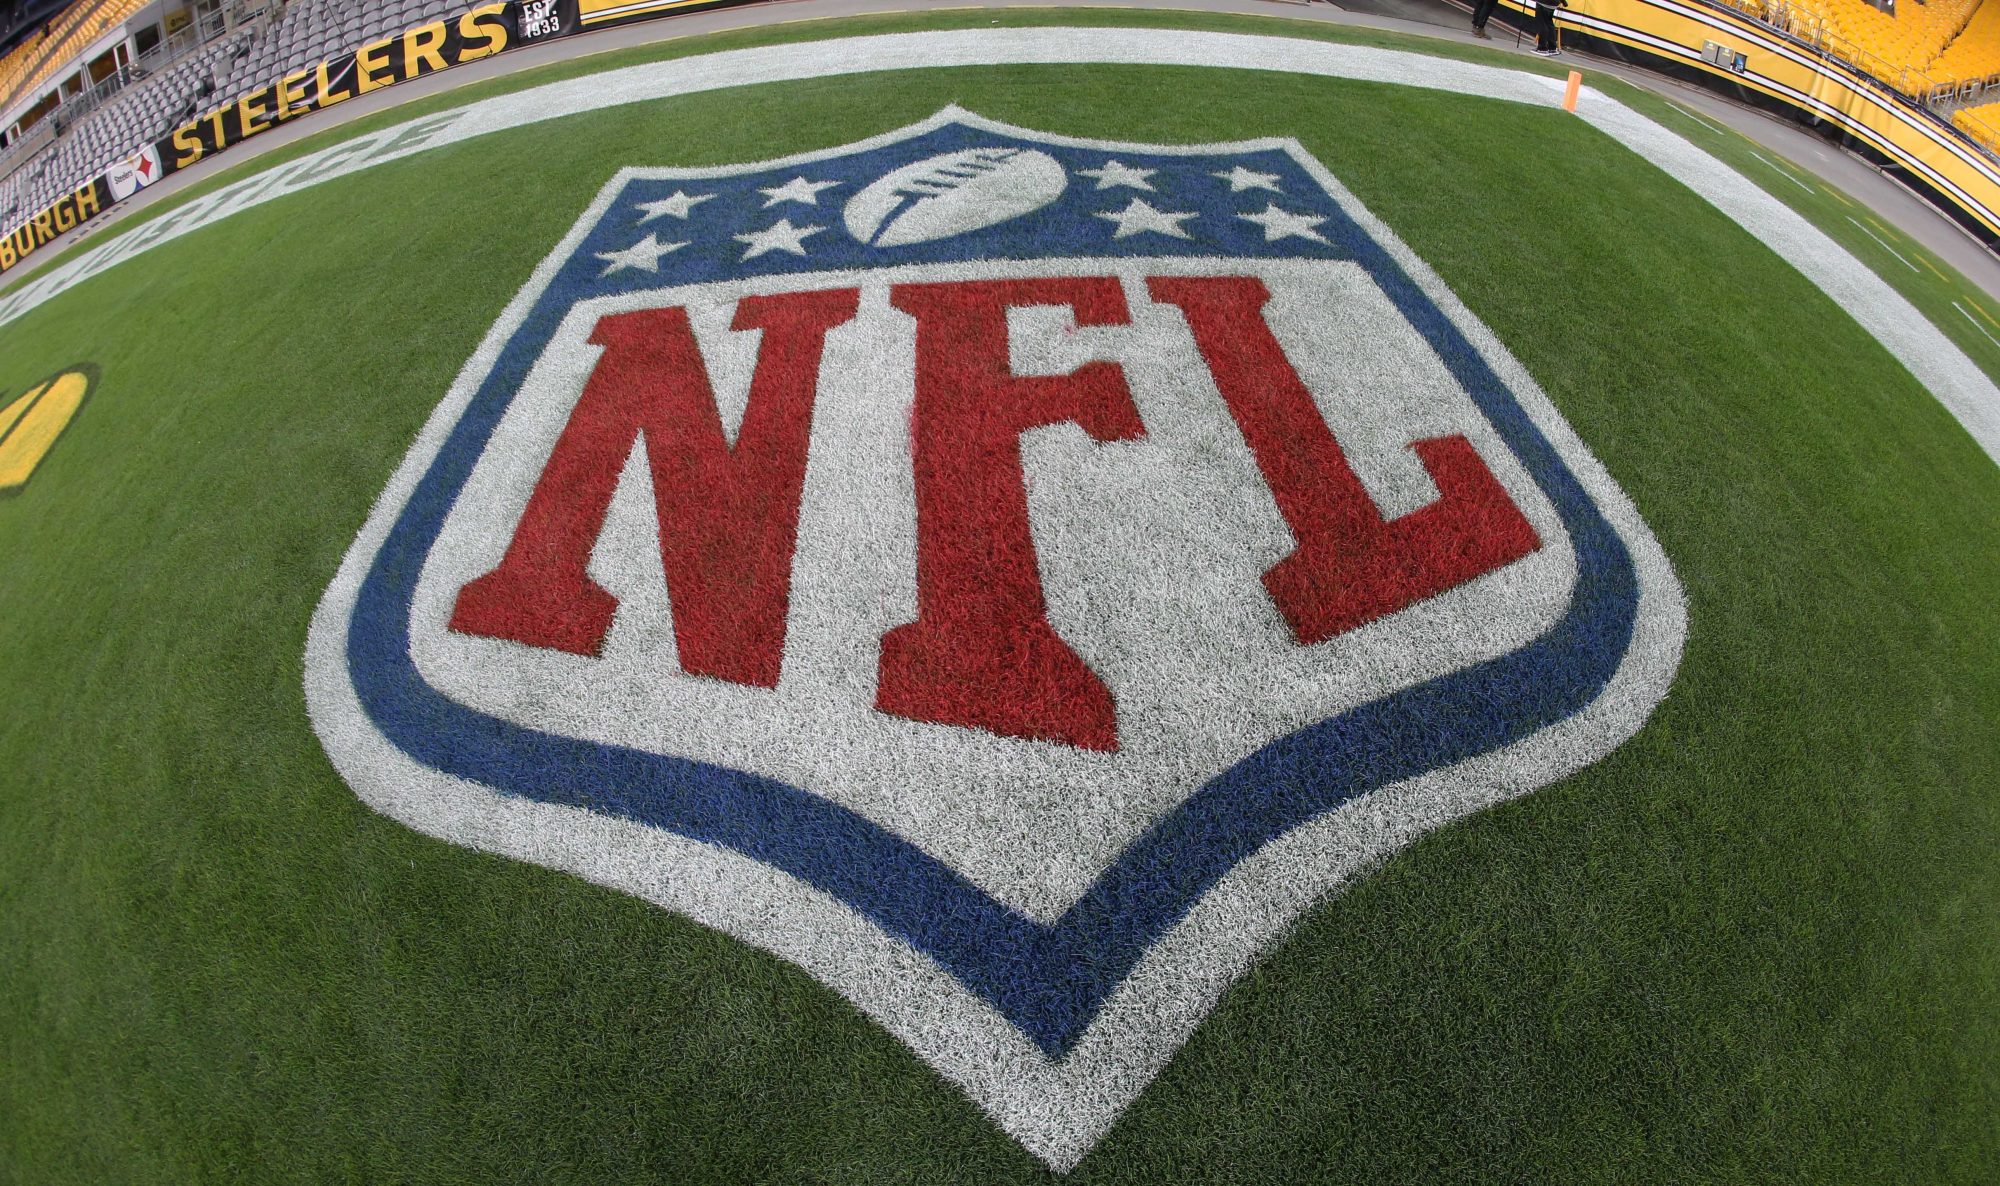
952, 194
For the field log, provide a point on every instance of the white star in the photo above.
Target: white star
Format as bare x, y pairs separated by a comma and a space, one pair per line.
1280, 224
677, 206
1240, 179
1140, 216
1115, 173
781, 237
644, 255
798, 189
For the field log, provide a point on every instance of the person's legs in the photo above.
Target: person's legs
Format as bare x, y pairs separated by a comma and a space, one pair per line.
1545, 29
1481, 11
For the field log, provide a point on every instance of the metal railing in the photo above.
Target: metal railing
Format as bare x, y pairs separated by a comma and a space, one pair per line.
1940, 99
199, 34
77, 108
17, 154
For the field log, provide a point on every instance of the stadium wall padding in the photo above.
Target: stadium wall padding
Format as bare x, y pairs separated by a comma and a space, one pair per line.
56, 219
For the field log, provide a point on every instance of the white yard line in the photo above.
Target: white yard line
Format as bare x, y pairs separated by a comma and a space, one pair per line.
1783, 172
1885, 246
1689, 112
1975, 323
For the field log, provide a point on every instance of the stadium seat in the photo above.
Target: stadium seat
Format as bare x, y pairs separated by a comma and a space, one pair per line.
1981, 122
1900, 49
1974, 56
44, 58
1939, 49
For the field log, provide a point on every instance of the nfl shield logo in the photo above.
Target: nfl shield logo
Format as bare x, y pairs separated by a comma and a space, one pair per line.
1010, 576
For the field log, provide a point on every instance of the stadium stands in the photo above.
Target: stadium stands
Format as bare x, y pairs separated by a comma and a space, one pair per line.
141, 113
1981, 122
43, 57
16, 65
1896, 48
1941, 52
300, 34
1974, 57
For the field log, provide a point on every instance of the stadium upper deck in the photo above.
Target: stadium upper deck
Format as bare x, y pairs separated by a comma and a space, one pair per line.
111, 77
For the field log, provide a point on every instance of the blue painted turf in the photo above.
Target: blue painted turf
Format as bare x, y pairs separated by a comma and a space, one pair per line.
1049, 980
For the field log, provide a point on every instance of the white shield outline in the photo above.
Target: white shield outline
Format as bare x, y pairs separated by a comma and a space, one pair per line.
1057, 1108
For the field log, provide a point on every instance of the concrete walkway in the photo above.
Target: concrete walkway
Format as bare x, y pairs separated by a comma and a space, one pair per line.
1439, 19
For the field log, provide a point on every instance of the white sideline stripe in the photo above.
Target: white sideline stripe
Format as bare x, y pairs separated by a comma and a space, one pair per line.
1783, 172
1689, 112
1940, 366
1975, 323
1885, 246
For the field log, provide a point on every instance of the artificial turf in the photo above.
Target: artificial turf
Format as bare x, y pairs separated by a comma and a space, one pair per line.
1758, 942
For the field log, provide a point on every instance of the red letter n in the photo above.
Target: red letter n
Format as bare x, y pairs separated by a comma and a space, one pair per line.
728, 516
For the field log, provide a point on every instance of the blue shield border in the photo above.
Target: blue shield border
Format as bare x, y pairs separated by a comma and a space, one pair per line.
1048, 981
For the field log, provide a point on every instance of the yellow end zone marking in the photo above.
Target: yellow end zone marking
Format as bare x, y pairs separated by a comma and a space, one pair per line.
30, 425
13, 411
1982, 311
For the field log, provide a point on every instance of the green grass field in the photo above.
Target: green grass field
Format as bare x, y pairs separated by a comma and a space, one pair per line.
1760, 942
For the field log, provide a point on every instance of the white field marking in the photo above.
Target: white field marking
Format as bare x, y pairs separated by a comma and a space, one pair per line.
1782, 172
1058, 1109
1885, 246
1940, 366
1975, 323
1172, 528
1689, 112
